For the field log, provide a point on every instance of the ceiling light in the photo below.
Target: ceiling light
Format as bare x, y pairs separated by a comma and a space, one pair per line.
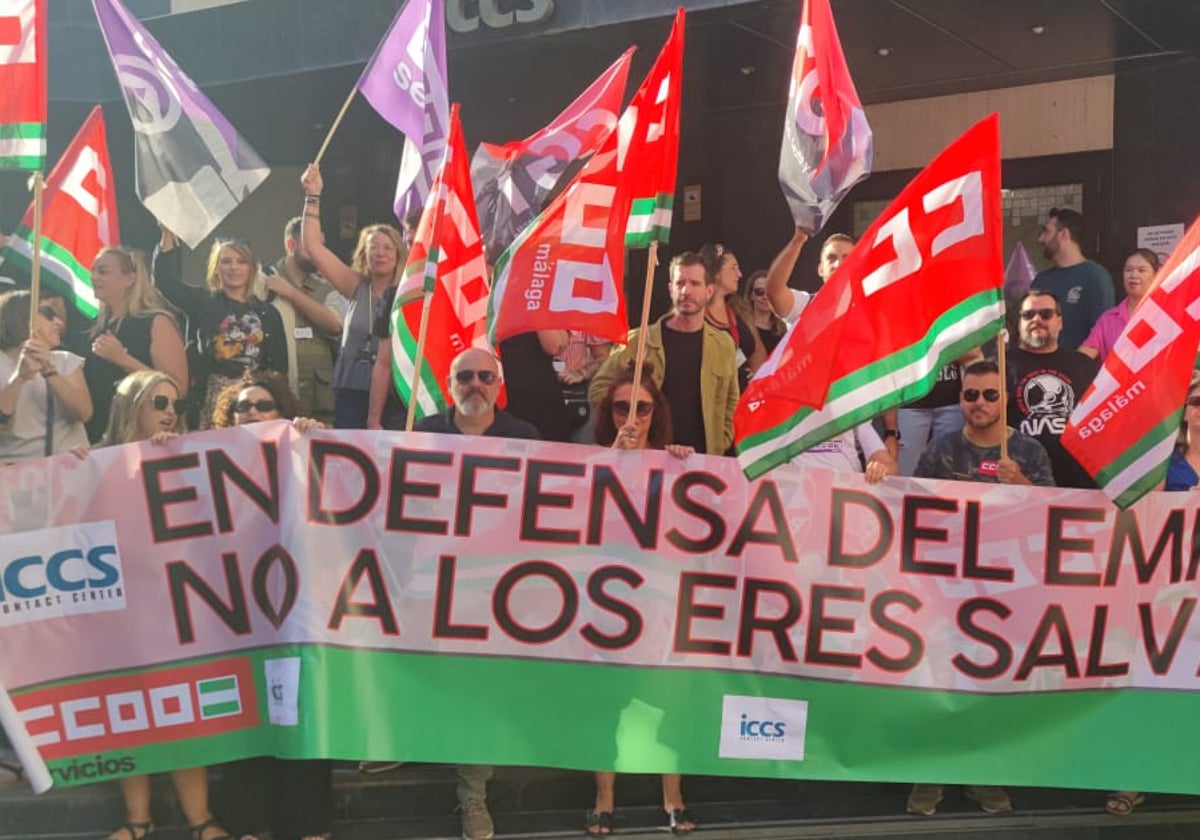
883, 52
1038, 29
747, 70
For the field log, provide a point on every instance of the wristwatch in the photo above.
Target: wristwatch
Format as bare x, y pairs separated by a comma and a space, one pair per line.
890, 433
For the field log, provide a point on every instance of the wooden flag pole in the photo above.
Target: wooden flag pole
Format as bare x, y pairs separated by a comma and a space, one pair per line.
640, 358
1002, 363
337, 121
415, 389
35, 272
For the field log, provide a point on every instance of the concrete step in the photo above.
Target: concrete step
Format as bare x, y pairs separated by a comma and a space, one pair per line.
418, 801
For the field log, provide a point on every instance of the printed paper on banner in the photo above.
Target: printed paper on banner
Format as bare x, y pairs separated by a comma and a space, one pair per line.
79, 218
1125, 427
827, 144
60, 572
771, 728
921, 287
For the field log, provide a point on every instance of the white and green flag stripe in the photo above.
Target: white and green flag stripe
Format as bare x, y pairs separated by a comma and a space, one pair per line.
23, 146
649, 221
404, 344
889, 382
60, 268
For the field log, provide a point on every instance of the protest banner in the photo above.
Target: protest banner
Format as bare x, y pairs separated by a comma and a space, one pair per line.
461, 599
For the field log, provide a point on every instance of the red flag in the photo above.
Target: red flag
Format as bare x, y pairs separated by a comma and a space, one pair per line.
826, 140
922, 286
79, 217
446, 259
564, 270
22, 84
1124, 428
513, 181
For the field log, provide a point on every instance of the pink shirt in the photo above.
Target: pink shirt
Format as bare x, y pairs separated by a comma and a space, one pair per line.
1108, 329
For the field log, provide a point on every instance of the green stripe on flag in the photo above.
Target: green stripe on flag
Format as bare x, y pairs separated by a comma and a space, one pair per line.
22, 146
875, 388
649, 220
219, 697
22, 131
60, 269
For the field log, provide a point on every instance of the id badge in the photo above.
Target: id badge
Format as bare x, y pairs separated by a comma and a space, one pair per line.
301, 333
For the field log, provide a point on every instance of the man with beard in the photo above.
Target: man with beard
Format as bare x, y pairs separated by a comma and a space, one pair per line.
1084, 288
973, 453
312, 320
1048, 381
693, 362
475, 379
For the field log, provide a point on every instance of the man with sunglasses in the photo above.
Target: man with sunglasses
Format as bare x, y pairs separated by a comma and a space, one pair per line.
474, 385
1047, 381
475, 379
973, 454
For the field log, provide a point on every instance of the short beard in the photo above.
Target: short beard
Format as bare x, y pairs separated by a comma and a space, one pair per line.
475, 406
1036, 340
305, 264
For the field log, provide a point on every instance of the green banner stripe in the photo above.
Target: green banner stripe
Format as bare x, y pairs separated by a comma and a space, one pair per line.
404, 361
22, 131
229, 707
1167, 428
644, 720
219, 684
30, 163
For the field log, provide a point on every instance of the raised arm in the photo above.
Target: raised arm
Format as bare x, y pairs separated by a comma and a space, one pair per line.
167, 272
780, 271
341, 276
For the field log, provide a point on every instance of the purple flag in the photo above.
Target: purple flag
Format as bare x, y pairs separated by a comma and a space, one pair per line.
1018, 277
191, 166
405, 81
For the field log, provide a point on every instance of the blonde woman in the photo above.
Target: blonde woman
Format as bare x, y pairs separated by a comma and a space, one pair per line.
146, 407
134, 331
375, 267
231, 331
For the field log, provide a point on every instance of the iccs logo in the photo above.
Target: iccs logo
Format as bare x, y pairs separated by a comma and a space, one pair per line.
761, 729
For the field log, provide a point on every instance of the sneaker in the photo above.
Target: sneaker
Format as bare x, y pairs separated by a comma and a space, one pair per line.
373, 767
991, 800
476, 821
924, 799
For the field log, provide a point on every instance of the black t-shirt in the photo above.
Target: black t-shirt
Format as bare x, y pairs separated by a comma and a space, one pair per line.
395, 413
743, 337
534, 393
1044, 389
684, 352
770, 339
944, 391
504, 425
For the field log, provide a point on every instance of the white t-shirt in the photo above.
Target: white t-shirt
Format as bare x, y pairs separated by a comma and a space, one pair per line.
25, 436
799, 301
839, 453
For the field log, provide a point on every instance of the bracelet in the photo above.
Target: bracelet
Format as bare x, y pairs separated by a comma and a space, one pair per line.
312, 215
312, 199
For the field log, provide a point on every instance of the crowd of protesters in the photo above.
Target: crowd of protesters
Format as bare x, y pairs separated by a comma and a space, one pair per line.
308, 339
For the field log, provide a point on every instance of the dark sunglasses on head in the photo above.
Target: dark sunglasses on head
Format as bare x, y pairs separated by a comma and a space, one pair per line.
972, 394
162, 402
229, 240
1044, 314
1194, 402
621, 408
464, 377
261, 406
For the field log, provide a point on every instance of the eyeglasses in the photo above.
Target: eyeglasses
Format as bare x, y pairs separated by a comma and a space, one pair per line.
464, 377
971, 395
1194, 402
49, 313
1044, 314
261, 406
161, 402
621, 408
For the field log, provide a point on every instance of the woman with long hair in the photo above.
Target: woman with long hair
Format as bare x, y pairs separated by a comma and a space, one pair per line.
770, 326
146, 407
230, 330
265, 798
134, 331
728, 311
375, 267
1138, 273
622, 425
44, 400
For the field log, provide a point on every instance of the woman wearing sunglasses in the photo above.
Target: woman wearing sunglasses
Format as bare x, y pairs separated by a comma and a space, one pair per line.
44, 400
146, 407
229, 329
257, 397
622, 425
770, 326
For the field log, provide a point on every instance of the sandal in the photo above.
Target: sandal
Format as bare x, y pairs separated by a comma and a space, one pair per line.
598, 823
136, 831
197, 831
17, 771
1122, 803
682, 821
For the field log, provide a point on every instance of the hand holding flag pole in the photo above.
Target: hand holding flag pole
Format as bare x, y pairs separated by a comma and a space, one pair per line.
640, 357
35, 273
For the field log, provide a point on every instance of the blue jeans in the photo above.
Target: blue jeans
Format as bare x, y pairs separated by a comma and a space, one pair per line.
920, 427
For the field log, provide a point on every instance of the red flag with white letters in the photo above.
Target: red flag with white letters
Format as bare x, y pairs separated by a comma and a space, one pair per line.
923, 285
1125, 427
79, 217
22, 84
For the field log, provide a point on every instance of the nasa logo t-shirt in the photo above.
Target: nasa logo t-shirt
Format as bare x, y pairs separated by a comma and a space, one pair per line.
1044, 389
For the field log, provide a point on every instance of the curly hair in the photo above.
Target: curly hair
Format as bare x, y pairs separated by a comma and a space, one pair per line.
659, 435
273, 382
132, 393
